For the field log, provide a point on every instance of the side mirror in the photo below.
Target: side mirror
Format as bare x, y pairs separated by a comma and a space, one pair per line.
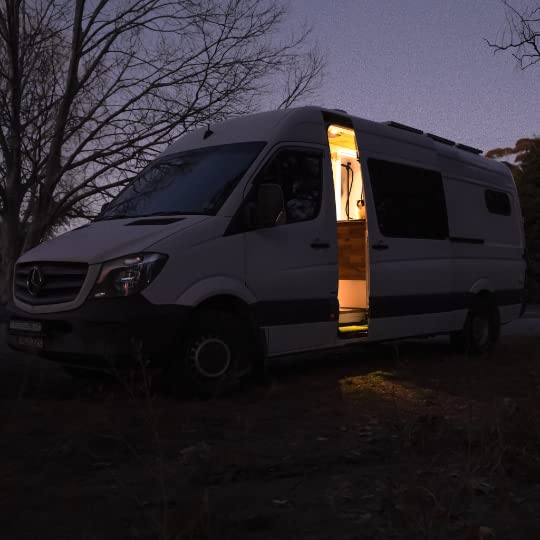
270, 205
104, 207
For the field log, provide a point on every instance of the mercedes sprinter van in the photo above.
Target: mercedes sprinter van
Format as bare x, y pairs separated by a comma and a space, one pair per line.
276, 233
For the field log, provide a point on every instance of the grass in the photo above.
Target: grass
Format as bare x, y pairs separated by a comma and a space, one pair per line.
413, 442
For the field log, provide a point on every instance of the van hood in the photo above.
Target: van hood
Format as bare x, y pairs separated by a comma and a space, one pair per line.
104, 240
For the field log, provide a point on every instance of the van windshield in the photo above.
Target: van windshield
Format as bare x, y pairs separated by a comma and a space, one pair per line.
193, 182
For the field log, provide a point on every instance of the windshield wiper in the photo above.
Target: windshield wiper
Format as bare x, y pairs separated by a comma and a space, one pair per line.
164, 213
152, 214
170, 213
115, 216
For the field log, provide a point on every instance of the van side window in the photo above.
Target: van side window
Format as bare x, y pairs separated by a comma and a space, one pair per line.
497, 202
409, 201
299, 173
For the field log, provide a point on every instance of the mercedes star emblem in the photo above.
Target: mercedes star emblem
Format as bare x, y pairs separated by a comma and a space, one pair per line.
35, 281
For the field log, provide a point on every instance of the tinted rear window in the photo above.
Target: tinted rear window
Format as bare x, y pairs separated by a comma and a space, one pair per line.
497, 202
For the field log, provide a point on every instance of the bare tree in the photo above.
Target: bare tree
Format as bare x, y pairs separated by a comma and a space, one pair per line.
90, 90
521, 34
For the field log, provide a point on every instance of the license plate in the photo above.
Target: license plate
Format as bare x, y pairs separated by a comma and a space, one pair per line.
33, 342
25, 326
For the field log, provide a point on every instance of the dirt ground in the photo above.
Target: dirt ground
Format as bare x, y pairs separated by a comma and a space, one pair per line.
408, 441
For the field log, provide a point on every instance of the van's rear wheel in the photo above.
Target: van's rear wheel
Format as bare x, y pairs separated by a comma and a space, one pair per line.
481, 330
214, 354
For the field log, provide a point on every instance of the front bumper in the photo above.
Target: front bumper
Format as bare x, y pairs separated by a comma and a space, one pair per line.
100, 332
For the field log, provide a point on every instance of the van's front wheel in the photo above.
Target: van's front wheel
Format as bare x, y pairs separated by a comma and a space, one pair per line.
214, 354
481, 330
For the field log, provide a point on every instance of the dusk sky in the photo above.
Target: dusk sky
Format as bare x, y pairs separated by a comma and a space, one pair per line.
424, 63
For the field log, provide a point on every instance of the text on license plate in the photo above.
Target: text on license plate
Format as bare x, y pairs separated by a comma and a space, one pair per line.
25, 326
35, 342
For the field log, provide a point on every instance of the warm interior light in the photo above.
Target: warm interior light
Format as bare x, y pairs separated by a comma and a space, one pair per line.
333, 132
354, 328
352, 225
339, 131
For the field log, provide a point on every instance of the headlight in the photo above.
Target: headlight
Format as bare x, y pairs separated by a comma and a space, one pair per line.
128, 275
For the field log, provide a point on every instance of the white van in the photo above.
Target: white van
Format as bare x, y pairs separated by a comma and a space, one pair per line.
276, 233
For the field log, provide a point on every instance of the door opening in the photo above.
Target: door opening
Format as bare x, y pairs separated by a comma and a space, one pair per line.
353, 286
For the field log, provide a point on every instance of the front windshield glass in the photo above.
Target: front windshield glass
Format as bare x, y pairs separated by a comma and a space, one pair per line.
194, 182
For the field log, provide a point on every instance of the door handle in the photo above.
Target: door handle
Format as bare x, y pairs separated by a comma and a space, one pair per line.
379, 246
317, 244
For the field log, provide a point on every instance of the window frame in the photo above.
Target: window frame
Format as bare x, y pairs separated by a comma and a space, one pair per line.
175, 155
445, 233
498, 192
306, 150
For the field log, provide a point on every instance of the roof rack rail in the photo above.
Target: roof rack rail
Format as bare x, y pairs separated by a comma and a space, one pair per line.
440, 139
403, 126
476, 151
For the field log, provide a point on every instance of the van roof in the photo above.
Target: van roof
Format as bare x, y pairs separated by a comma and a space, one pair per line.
305, 124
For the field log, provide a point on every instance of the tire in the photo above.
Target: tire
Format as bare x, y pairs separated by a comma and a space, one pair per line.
215, 352
481, 330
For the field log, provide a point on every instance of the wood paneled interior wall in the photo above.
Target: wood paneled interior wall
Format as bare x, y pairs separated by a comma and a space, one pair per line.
352, 249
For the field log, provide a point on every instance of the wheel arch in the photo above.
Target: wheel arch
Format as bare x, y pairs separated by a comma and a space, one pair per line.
486, 297
483, 291
227, 294
238, 307
482, 286
481, 302
226, 302
209, 288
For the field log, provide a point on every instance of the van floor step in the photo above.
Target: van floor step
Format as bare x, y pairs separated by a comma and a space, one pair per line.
353, 333
346, 329
348, 316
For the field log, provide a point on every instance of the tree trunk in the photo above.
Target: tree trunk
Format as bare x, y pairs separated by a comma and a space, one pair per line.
9, 252
86, 90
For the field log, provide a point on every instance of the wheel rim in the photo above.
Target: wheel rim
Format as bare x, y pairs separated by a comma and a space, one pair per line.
210, 356
480, 331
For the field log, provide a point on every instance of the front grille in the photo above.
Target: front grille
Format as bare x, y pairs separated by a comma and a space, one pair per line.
43, 283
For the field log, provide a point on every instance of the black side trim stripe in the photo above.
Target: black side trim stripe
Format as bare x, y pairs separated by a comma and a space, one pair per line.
280, 312
274, 313
463, 240
400, 306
